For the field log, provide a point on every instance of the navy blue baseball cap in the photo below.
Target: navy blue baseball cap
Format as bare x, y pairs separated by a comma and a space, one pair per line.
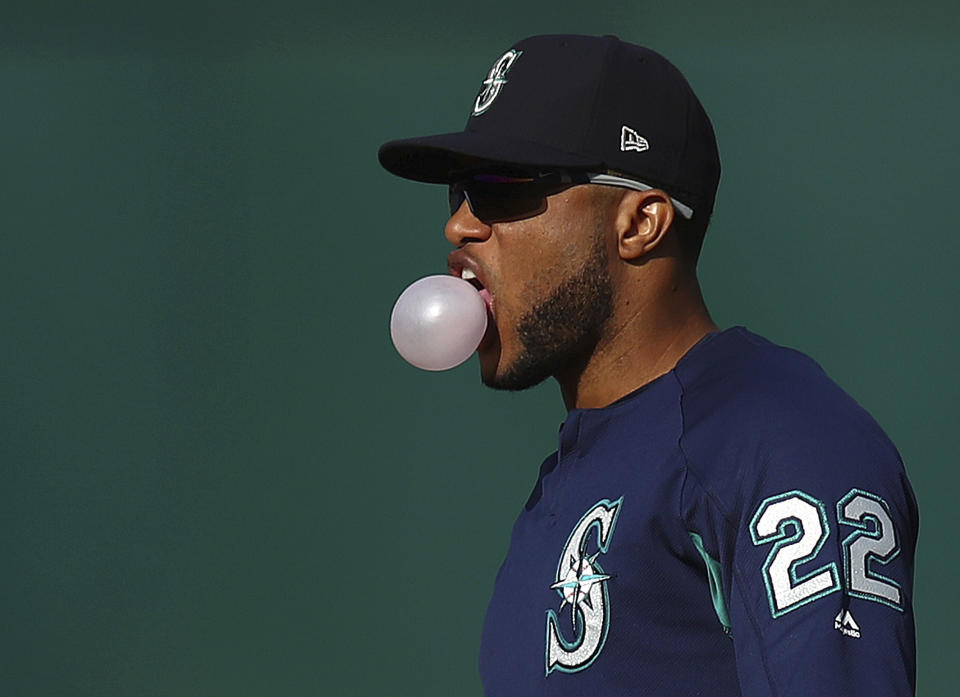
580, 103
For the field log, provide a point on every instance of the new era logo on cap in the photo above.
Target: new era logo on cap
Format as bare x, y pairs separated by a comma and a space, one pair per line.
631, 140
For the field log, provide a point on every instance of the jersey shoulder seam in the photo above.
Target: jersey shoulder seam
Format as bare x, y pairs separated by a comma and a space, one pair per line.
690, 469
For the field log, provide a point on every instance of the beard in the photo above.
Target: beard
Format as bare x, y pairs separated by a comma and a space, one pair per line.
561, 333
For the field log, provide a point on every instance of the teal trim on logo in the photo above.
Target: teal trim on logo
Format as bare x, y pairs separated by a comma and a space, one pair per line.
579, 545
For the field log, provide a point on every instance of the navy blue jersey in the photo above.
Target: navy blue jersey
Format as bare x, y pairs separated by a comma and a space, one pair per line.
739, 526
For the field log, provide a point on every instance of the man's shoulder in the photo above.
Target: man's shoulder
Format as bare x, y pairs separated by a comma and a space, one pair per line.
753, 410
742, 378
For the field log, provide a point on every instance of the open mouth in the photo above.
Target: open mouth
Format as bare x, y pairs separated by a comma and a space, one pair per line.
465, 268
470, 276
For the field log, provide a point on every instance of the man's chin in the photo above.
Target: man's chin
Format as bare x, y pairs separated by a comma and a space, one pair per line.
513, 378
506, 383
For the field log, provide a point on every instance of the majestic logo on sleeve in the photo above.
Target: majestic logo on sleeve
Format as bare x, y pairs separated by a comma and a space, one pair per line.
496, 79
846, 625
581, 585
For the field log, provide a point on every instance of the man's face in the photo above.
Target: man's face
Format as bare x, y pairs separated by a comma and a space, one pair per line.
548, 285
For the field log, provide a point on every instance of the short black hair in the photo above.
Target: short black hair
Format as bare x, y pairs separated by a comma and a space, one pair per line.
690, 235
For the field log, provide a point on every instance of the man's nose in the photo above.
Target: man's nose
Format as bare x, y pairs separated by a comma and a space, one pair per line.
464, 227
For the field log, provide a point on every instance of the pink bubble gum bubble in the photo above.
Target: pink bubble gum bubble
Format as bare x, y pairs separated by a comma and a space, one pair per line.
438, 322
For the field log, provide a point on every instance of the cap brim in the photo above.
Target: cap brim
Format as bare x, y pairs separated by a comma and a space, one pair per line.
440, 159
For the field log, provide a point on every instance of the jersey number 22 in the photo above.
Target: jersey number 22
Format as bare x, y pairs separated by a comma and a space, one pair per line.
796, 524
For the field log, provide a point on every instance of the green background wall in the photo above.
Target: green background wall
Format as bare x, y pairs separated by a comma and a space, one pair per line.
217, 476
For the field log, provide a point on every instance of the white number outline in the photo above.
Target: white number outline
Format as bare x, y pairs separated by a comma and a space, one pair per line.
879, 533
783, 540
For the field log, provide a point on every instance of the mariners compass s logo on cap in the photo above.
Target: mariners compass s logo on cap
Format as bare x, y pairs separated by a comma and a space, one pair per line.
495, 81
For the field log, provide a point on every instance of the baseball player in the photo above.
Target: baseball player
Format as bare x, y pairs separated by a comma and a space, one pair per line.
719, 518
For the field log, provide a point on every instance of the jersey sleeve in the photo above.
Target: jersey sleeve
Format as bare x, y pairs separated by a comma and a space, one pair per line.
812, 526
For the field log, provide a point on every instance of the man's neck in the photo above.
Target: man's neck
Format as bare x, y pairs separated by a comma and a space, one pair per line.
638, 347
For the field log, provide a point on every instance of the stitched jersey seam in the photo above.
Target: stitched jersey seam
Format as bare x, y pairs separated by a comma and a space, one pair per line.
727, 518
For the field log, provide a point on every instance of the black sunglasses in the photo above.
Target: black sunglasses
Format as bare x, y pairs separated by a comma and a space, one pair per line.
500, 198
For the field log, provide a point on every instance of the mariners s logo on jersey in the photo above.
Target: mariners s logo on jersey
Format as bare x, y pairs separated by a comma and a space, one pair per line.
496, 79
577, 631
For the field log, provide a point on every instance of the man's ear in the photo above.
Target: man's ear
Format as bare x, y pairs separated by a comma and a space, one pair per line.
643, 218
